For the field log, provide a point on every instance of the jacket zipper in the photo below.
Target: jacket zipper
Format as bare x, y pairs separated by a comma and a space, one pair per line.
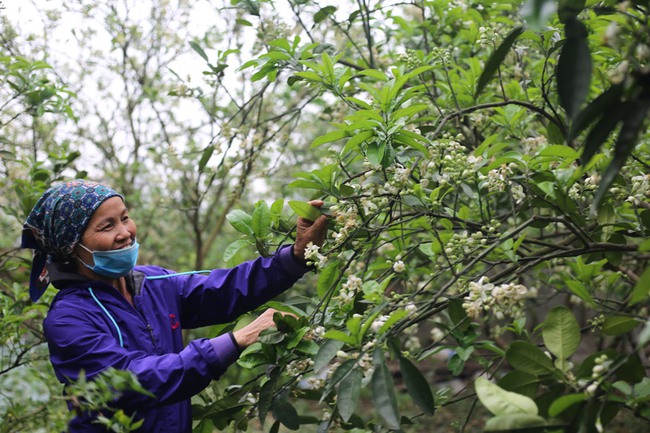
144, 319
153, 340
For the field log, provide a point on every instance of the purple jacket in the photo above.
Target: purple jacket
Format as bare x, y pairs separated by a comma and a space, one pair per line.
91, 326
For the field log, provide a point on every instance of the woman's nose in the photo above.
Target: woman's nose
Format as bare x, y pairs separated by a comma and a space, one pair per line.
125, 232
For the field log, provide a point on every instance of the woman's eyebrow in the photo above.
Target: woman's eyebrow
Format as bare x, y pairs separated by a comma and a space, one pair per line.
108, 219
105, 220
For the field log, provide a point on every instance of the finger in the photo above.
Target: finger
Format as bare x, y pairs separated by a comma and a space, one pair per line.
284, 313
317, 203
270, 312
318, 226
320, 222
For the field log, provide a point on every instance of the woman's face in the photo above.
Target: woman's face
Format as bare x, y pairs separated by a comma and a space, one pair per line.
109, 228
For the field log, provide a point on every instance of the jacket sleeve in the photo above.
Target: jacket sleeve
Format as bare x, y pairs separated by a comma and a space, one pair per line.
225, 294
77, 343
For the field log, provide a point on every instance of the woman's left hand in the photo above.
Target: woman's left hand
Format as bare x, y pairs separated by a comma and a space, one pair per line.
310, 231
250, 333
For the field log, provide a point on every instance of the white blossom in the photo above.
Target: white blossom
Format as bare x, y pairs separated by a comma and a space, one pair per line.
313, 256
518, 193
378, 323
437, 335
412, 343
410, 308
504, 300
640, 190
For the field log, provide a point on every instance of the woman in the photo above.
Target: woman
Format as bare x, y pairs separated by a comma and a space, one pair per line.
110, 313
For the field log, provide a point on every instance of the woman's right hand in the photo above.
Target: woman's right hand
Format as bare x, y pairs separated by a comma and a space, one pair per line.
250, 333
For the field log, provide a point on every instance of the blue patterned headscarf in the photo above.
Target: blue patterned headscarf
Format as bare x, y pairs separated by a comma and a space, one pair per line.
56, 224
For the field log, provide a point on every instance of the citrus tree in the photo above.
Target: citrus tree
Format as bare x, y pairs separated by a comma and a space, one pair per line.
484, 166
486, 178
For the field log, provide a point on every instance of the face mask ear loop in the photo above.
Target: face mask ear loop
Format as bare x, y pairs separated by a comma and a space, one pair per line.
119, 333
84, 247
79, 258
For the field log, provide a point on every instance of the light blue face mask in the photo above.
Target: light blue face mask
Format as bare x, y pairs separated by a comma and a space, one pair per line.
113, 263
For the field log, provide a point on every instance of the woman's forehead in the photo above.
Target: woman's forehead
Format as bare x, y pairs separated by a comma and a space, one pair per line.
110, 208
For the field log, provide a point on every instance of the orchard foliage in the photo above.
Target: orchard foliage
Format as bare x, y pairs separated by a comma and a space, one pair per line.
484, 166
487, 184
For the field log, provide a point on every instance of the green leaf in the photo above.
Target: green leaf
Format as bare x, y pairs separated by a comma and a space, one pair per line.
520, 382
376, 152
394, 317
243, 22
594, 110
601, 131
339, 374
496, 59
569, 9
327, 278
627, 138
337, 334
302, 183
644, 246
644, 335
578, 288
518, 421
367, 115
374, 73
205, 157
417, 386
196, 47
348, 394
538, 12
329, 137
619, 325
389, 156
309, 75
502, 402
554, 133
276, 209
632, 370
411, 139
241, 221
328, 65
232, 249
308, 347
261, 220
253, 357
354, 325
641, 289
286, 414
304, 210
323, 13
560, 150
276, 55
265, 399
417, 71
354, 142
530, 359
457, 314
383, 391
564, 402
408, 111
561, 332
574, 68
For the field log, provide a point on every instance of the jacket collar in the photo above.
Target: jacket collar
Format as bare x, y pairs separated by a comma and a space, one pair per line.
61, 279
